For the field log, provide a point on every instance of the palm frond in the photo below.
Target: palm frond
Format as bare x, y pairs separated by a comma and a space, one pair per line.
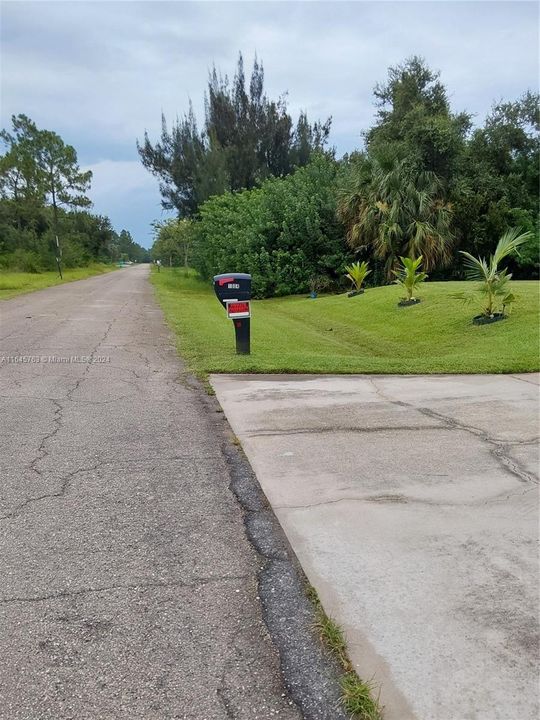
475, 268
509, 244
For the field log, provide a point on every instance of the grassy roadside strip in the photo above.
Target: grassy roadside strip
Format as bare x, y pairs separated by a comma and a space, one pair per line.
17, 283
357, 695
365, 334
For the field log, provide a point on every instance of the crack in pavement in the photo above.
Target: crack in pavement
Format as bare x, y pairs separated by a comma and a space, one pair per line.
65, 480
346, 429
90, 363
522, 379
220, 692
223, 690
57, 419
197, 582
500, 451
406, 500
64, 486
42, 451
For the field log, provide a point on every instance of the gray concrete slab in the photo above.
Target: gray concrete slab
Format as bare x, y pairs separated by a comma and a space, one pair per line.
412, 504
128, 586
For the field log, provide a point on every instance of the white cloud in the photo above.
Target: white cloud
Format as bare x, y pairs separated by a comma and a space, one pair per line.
128, 194
99, 73
119, 177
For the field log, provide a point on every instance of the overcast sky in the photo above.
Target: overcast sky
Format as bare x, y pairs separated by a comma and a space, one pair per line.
100, 73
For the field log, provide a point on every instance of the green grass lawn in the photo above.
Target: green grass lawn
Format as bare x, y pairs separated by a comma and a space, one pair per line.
365, 334
16, 283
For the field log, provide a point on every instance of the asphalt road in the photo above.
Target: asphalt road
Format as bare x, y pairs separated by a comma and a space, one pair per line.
128, 587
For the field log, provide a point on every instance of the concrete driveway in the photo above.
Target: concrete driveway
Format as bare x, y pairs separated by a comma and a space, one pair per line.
412, 504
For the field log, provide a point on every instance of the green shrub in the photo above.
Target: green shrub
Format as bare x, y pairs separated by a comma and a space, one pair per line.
283, 233
22, 261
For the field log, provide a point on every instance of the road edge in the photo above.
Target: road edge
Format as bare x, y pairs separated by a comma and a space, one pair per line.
311, 675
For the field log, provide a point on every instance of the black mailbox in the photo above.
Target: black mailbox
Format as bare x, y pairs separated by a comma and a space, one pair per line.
232, 286
233, 290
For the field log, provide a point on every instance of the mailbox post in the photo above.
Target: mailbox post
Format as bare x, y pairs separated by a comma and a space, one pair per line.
233, 291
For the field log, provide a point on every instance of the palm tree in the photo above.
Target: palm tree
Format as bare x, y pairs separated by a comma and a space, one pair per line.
399, 212
494, 281
409, 276
357, 273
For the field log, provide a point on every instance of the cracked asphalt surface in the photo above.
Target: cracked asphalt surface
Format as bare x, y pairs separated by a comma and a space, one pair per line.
129, 588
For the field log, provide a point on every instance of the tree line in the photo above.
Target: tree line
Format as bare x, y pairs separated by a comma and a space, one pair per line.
45, 220
254, 192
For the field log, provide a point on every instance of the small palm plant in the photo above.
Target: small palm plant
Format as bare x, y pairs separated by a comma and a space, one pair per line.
357, 273
409, 277
494, 282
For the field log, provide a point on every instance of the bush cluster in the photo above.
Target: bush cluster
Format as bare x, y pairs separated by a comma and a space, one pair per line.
285, 233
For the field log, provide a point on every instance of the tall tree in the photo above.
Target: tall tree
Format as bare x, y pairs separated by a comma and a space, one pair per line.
20, 177
246, 137
63, 182
176, 160
39, 166
497, 187
414, 121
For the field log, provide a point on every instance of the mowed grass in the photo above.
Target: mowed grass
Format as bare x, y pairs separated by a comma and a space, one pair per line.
364, 334
16, 283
